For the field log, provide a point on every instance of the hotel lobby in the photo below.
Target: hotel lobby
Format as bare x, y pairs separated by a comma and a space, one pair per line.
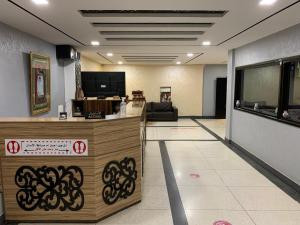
149, 113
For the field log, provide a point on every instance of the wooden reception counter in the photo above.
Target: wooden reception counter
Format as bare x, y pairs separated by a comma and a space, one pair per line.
71, 170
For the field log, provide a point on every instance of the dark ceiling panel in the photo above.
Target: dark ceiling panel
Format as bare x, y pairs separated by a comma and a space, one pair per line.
151, 32
199, 25
153, 13
151, 39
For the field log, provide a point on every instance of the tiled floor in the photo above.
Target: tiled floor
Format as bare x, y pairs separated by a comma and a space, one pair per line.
217, 126
214, 183
178, 133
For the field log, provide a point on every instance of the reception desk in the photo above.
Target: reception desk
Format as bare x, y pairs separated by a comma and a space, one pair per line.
72, 170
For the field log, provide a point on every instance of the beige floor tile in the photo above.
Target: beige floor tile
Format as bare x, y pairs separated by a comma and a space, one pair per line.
264, 198
217, 126
229, 164
275, 217
178, 133
190, 164
154, 197
188, 177
180, 145
152, 149
208, 197
219, 131
153, 162
154, 177
133, 216
221, 153
208, 217
180, 122
247, 178
185, 154
208, 145
213, 122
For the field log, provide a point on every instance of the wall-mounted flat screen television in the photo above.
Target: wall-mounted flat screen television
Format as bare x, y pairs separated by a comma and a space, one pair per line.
104, 84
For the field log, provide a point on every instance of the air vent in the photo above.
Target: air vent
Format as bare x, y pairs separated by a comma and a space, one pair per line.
152, 13
157, 25
151, 39
151, 32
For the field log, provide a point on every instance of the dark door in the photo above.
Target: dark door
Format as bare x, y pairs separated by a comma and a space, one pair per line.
221, 88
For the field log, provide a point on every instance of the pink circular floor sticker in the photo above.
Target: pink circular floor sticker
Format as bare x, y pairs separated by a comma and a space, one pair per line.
194, 175
222, 222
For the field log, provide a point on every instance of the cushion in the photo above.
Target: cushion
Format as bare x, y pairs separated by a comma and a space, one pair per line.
162, 107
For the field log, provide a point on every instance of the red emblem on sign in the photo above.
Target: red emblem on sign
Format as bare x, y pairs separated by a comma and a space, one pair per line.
79, 147
13, 147
221, 222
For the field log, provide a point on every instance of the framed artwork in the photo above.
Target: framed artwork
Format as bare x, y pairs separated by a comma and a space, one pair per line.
40, 95
165, 94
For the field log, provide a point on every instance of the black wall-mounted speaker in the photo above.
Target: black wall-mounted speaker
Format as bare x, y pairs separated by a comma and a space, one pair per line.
67, 52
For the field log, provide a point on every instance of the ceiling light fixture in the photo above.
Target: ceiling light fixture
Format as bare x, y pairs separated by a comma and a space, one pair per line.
120, 62
109, 54
267, 2
190, 55
178, 63
40, 2
95, 43
206, 43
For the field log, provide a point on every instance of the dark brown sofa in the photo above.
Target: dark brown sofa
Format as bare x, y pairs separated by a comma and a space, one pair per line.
161, 111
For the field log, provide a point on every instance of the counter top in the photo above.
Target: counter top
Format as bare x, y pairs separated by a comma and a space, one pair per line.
133, 109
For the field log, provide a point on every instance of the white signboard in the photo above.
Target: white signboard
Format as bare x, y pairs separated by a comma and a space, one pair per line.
46, 147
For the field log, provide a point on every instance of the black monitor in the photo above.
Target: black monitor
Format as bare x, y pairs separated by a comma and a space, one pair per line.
108, 84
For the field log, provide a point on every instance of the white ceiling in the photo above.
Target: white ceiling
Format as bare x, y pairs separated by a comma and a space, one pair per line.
70, 24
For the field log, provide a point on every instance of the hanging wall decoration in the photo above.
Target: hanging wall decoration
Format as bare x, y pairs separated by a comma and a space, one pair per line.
165, 94
40, 96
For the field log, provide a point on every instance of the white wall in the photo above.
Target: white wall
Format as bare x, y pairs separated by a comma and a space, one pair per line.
275, 143
70, 81
15, 47
89, 65
186, 83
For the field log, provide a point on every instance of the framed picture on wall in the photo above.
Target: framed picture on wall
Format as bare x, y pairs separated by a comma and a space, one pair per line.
165, 94
40, 95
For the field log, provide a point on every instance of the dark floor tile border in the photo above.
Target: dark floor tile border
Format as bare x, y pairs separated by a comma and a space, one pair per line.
281, 181
177, 209
277, 178
209, 131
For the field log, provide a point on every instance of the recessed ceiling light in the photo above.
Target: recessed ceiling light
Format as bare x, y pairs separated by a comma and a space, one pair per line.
120, 62
206, 43
267, 2
95, 43
109, 54
190, 55
40, 2
178, 63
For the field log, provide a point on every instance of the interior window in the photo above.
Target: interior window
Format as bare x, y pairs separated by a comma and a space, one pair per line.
293, 107
259, 88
